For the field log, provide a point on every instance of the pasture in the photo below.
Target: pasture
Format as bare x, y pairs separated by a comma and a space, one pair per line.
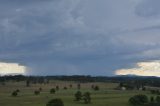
106, 96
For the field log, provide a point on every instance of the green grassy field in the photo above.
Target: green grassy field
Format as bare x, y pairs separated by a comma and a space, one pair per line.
106, 96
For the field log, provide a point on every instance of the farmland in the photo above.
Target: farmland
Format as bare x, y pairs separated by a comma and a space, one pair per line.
106, 96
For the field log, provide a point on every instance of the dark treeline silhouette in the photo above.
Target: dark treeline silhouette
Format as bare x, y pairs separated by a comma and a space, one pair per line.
136, 80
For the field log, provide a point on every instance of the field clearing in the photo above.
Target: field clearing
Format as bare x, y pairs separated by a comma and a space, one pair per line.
106, 96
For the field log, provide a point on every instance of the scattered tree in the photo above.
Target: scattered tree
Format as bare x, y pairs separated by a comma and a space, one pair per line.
96, 88
40, 89
57, 87
17, 90
79, 86
52, 91
143, 89
92, 86
87, 98
151, 99
78, 96
70, 85
65, 88
14, 93
27, 83
121, 84
138, 100
37, 92
158, 99
55, 102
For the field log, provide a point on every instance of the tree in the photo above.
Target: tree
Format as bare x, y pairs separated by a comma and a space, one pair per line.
79, 86
158, 99
65, 88
14, 93
96, 88
138, 100
121, 84
78, 96
57, 87
87, 98
52, 91
152, 104
17, 90
70, 85
27, 83
55, 102
40, 89
36, 92
143, 88
92, 86
151, 99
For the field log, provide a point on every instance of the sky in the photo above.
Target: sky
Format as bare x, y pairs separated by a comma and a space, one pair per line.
80, 37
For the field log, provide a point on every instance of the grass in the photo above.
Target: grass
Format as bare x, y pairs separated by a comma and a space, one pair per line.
106, 96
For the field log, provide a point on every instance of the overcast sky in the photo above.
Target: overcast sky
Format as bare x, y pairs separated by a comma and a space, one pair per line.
68, 37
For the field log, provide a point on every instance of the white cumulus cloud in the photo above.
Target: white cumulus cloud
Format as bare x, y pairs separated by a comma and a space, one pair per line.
11, 68
151, 68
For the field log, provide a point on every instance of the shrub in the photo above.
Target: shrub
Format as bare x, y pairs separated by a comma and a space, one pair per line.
87, 98
36, 92
138, 100
40, 89
79, 86
55, 102
27, 83
152, 104
57, 87
158, 99
152, 99
96, 88
153, 91
143, 88
14, 93
70, 85
78, 95
17, 90
157, 92
52, 91
92, 86
65, 88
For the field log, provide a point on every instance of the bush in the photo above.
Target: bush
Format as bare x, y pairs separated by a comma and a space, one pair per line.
79, 86
158, 99
57, 87
92, 86
153, 91
87, 98
17, 90
138, 100
70, 85
157, 92
55, 102
36, 92
152, 104
14, 93
143, 89
52, 91
152, 99
40, 89
27, 83
96, 88
78, 95
65, 88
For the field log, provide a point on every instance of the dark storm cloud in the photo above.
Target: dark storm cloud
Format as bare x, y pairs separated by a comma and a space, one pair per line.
76, 36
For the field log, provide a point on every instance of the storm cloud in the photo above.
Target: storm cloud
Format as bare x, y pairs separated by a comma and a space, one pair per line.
91, 37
